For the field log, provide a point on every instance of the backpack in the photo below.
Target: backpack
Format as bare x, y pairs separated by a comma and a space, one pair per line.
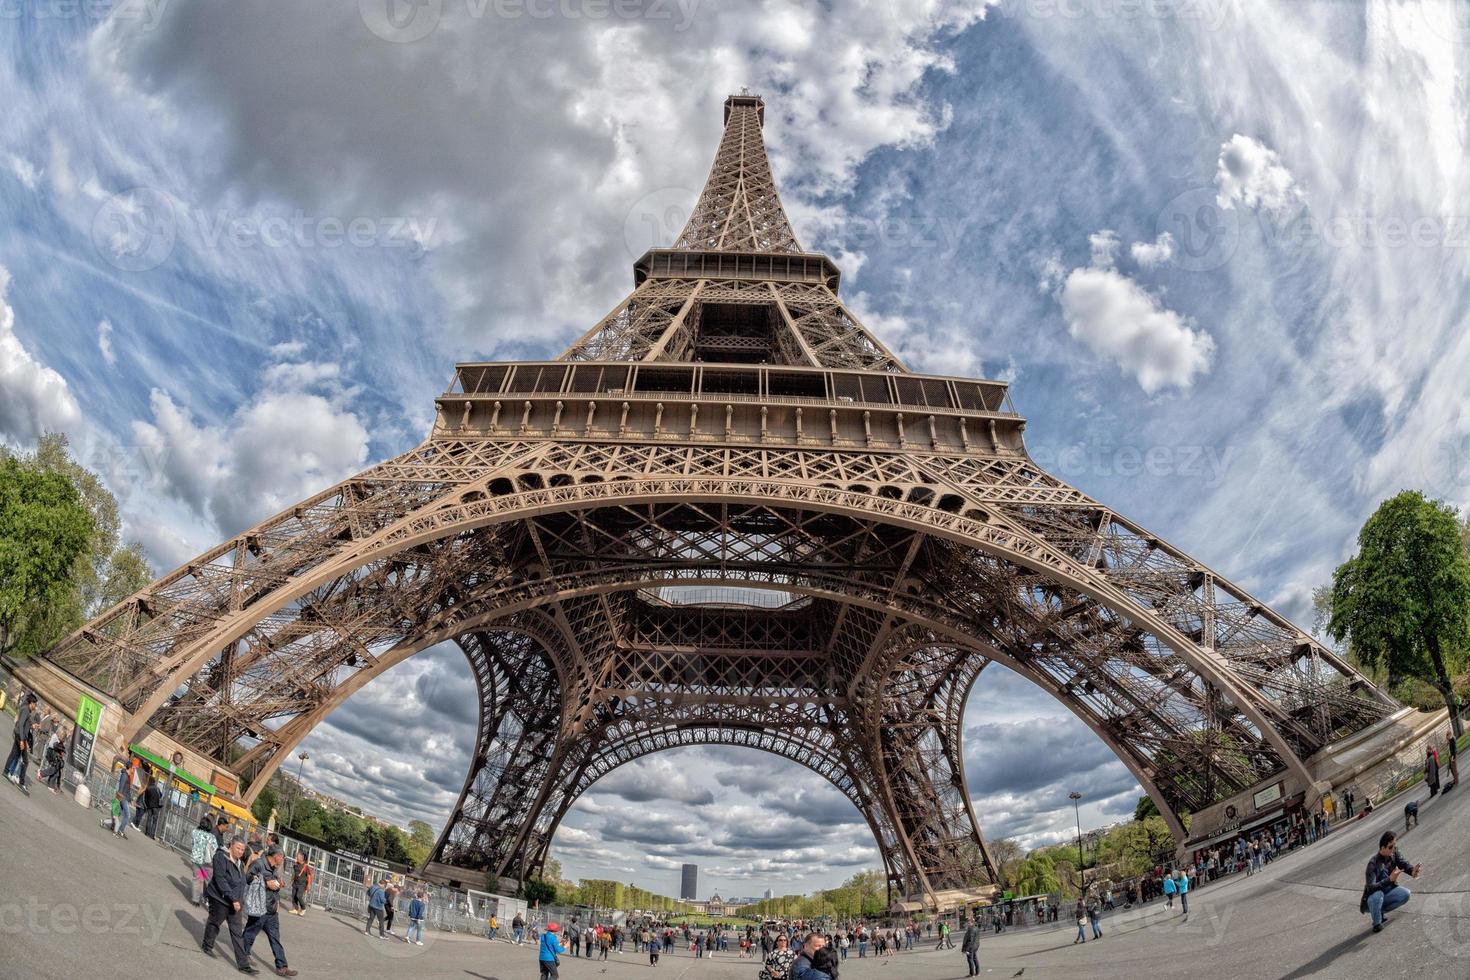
255, 896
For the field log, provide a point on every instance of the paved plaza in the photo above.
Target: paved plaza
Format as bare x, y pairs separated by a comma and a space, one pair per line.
78, 903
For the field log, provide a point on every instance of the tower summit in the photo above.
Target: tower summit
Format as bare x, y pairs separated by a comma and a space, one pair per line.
727, 515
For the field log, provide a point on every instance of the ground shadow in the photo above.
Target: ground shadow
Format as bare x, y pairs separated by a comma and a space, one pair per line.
1327, 957
192, 925
184, 885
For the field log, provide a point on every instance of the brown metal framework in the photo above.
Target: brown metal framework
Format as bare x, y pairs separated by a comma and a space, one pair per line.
727, 515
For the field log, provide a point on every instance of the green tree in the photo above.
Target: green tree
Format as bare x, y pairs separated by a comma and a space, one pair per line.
420, 842
1403, 601
264, 804
538, 891
1037, 875
97, 576
44, 535
1146, 808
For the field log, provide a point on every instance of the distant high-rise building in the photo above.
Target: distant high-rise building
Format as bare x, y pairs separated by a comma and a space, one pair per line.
768, 894
689, 881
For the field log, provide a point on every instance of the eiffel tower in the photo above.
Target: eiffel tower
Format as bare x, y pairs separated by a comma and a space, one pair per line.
727, 515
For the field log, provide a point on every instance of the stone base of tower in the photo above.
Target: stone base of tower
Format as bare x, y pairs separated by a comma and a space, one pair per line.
63, 692
950, 899
451, 876
1370, 763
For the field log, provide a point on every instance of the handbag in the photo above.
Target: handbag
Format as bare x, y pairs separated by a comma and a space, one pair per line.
255, 896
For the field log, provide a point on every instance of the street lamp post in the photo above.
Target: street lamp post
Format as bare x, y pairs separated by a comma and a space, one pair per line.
291, 817
1076, 799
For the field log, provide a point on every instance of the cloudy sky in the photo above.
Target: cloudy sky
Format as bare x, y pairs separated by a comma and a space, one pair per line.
1219, 247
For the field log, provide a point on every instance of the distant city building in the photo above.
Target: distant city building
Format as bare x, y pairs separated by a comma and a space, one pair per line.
689, 882
768, 896
716, 905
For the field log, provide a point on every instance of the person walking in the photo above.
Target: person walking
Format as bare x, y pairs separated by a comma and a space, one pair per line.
1181, 886
518, 928
390, 903
201, 854
550, 949
970, 946
1382, 892
377, 899
54, 758
225, 893
1093, 914
1431, 770
301, 875
1169, 890
262, 892
417, 912
1080, 914
21, 735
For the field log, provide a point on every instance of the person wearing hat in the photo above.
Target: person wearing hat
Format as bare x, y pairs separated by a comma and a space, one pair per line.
551, 948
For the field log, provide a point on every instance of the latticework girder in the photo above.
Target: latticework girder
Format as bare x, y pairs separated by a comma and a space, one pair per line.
729, 516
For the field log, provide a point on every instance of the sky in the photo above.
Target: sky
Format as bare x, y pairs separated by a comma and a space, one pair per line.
1218, 247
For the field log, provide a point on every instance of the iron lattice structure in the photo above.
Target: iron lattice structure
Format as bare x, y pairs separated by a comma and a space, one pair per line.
726, 515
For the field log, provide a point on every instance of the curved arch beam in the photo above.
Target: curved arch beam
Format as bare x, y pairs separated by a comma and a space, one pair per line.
985, 532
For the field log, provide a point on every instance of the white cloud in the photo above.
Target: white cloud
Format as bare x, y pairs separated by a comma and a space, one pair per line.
1157, 252
24, 171
1249, 172
534, 259
104, 342
1104, 246
277, 450
33, 397
1121, 320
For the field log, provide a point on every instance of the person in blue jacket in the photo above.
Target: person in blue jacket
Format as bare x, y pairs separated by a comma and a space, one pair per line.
1181, 885
551, 948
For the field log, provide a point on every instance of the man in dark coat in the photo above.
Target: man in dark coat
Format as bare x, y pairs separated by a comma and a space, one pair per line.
970, 945
225, 894
1431, 770
267, 867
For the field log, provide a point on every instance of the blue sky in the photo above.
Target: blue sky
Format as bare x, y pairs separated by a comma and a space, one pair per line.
1218, 247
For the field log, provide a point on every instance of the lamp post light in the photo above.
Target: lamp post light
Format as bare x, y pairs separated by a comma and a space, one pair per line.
1076, 799
291, 817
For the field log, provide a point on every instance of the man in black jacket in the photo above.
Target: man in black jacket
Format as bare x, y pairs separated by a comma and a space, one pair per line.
226, 892
970, 946
1382, 892
267, 868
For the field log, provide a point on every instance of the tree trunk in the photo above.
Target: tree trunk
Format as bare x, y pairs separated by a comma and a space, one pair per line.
1442, 681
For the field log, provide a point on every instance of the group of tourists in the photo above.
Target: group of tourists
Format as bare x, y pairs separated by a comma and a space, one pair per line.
382, 905
239, 882
36, 725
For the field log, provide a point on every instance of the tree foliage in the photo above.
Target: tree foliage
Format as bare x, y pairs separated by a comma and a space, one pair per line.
60, 560
1403, 601
44, 536
1146, 808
